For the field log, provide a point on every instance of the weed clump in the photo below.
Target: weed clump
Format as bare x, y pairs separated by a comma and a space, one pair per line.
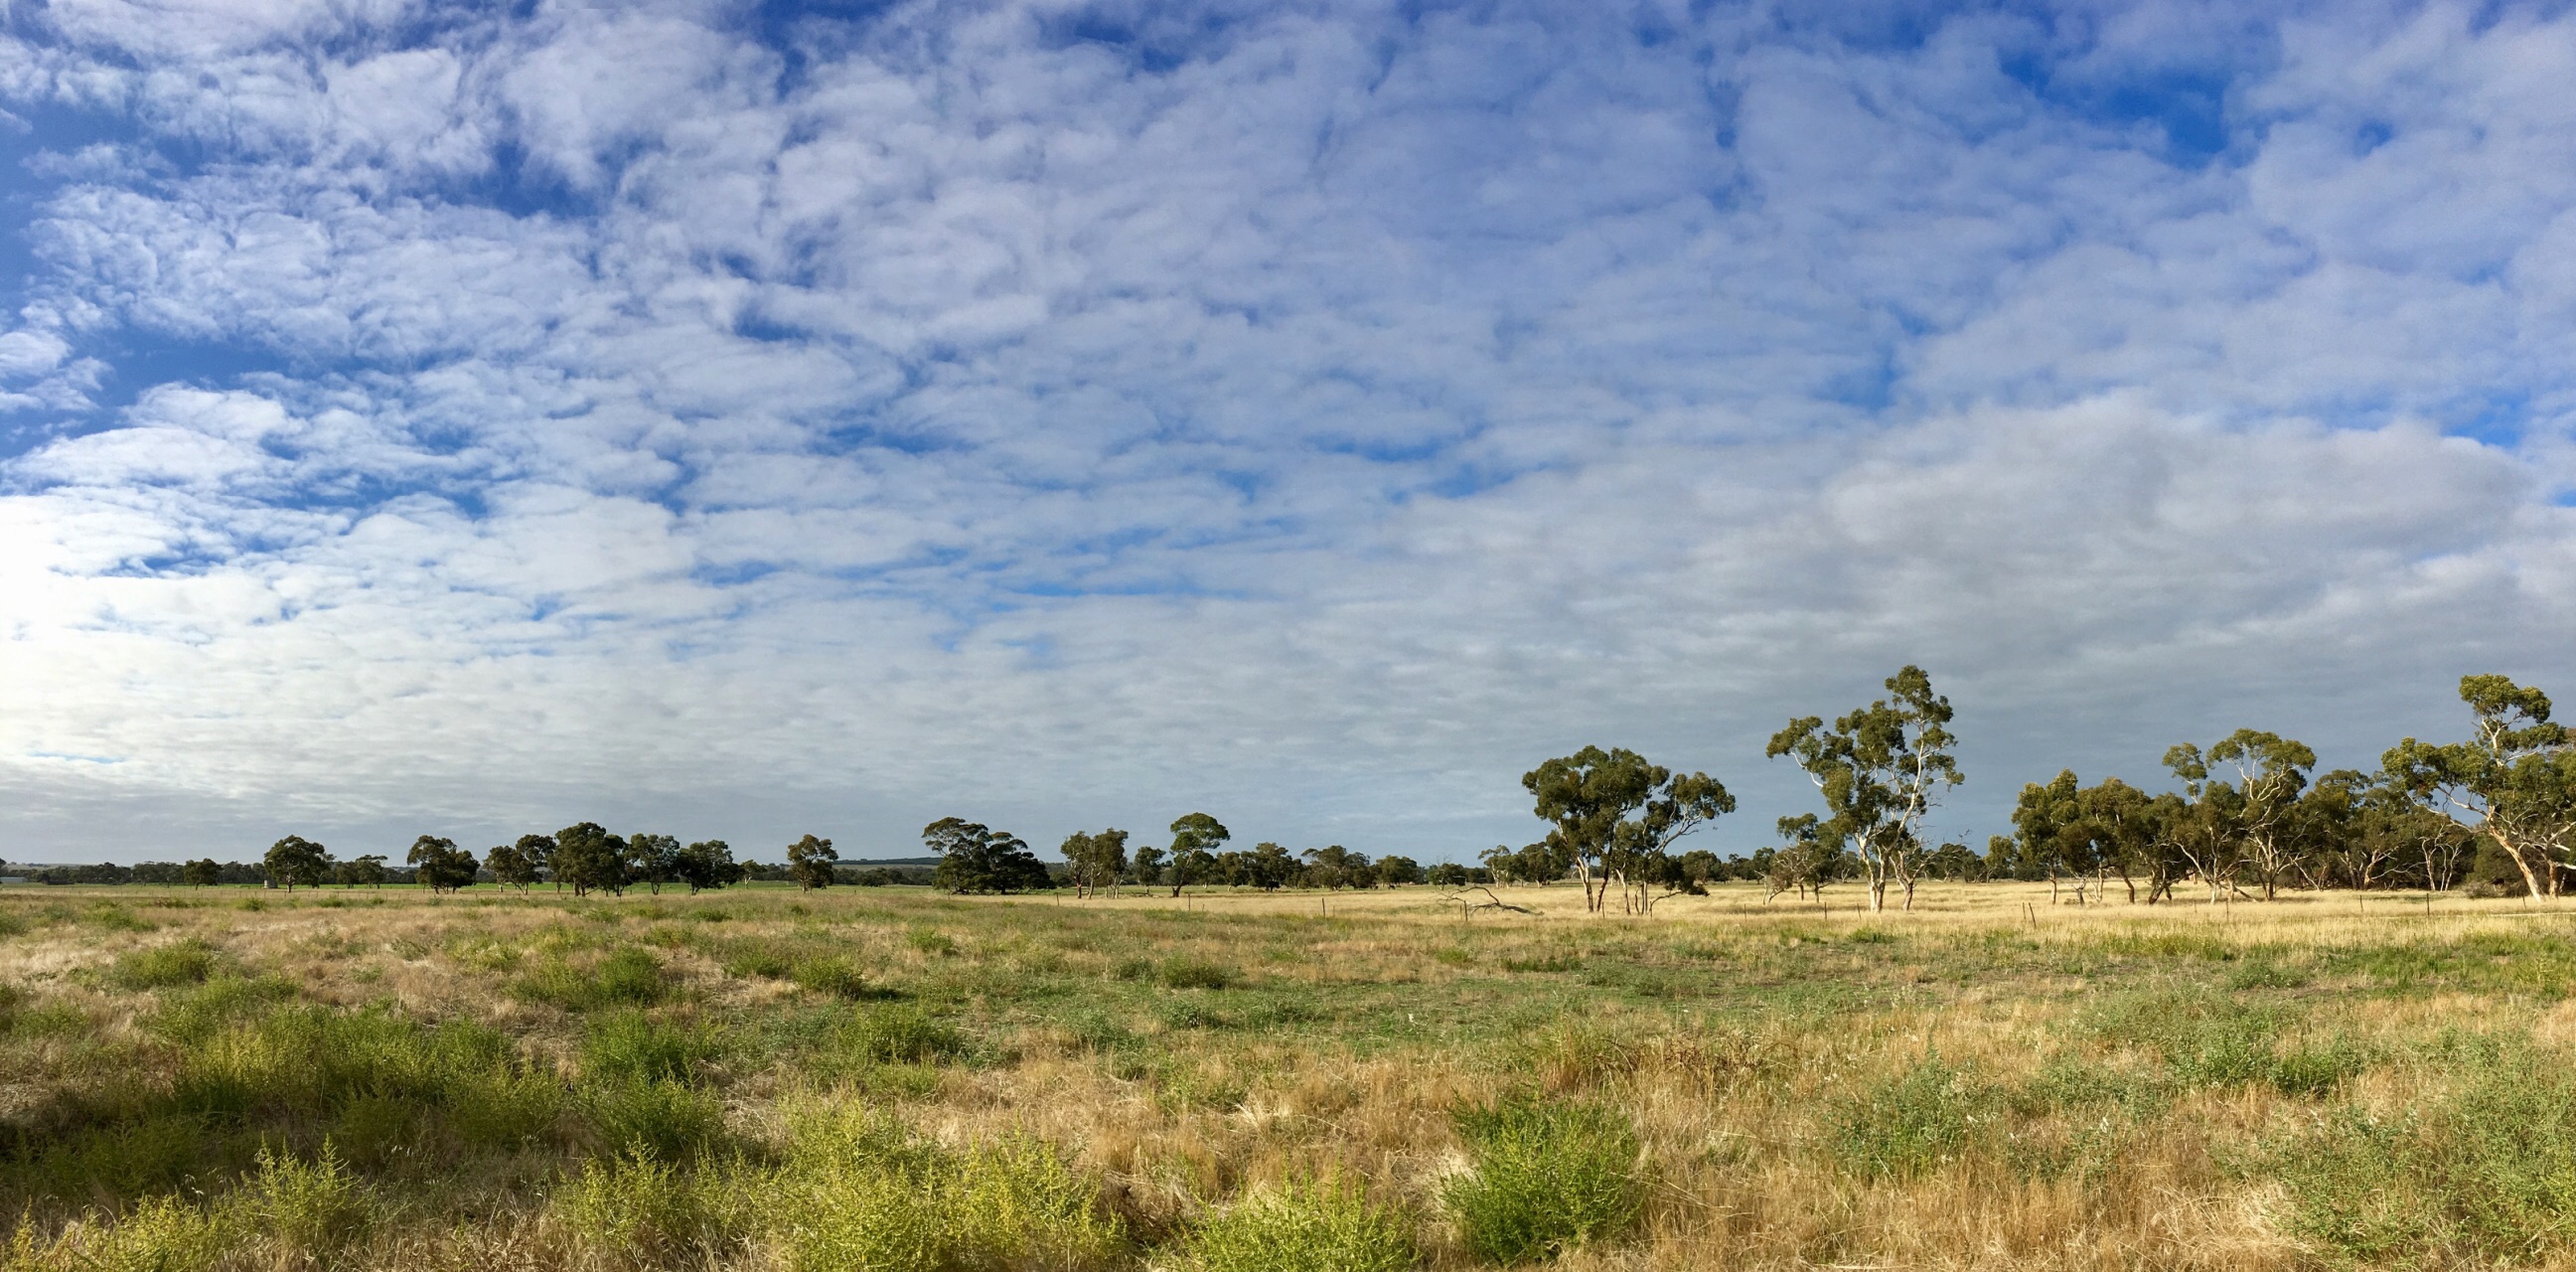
1183, 971
2485, 1174
630, 1046
1913, 1124
1549, 1175
628, 977
857, 1192
187, 962
830, 974
900, 1034
1312, 1226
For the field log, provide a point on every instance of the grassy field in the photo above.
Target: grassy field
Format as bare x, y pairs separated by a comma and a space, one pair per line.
885, 1078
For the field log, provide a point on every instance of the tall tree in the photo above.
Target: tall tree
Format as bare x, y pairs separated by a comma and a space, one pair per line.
976, 858
511, 867
653, 860
296, 860
204, 872
586, 856
368, 870
1616, 816
1146, 865
1268, 867
810, 863
1195, 839
1094, 861
540, 852
2513, 780
2271, 774
1880, 769
709, 864
439, 864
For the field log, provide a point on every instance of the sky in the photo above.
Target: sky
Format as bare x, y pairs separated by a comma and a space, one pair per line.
745, 420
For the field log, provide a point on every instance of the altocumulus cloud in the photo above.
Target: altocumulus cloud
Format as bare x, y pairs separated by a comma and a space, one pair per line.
744, 420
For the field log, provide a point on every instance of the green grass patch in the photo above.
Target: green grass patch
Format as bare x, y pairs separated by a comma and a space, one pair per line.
179, 963
1547, 1176
1325, 1225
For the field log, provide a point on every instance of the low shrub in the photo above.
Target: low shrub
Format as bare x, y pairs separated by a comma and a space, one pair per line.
187, 962
1912, 1124
658, 1121
1316, 1226
900, 1034
856, 1192
312, 1208
639, 1210
1548, 1175
2483, 1174
629, 976
831, 974
630, 1046
931, 941
1183, 971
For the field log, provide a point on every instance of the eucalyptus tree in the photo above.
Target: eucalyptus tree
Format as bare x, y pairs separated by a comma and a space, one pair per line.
586, 856
2204, 829
440, 865
2271, 775
653, 860
2050, 832
1095, 861
1145, 865
1195, 840
1615, 817
368, 871
976, 858
2513, 780
511, 866
810, 863
1268, 867
1808, 858
1880, 769
297, 860
204, 872
539, 850
709, 864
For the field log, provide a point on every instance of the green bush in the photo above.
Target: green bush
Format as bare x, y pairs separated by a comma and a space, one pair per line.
312, 1208
757, 958
187, 962
2207, 1040
162, 1234
857, 1193
1182, 971
2484, 1174
631, 1046
1318, 1226
900, 1034
931, 941
660, 1121
1548, 1175
1911, 1124
630, 976
830, 974
639, 1209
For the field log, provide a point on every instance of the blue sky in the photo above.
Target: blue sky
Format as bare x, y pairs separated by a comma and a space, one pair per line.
741, 421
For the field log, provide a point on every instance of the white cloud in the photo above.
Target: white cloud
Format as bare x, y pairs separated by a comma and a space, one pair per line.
1320, 419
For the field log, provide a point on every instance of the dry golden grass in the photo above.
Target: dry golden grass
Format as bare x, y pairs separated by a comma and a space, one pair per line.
1990, 1081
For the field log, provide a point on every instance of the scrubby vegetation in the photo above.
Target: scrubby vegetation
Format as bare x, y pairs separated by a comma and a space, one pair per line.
769, 1078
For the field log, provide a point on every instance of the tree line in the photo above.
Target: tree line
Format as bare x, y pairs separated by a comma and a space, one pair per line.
2248, 815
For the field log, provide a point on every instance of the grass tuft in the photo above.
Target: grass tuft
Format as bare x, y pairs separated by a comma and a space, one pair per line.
1323, 1225
1548, 1175
187, 962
